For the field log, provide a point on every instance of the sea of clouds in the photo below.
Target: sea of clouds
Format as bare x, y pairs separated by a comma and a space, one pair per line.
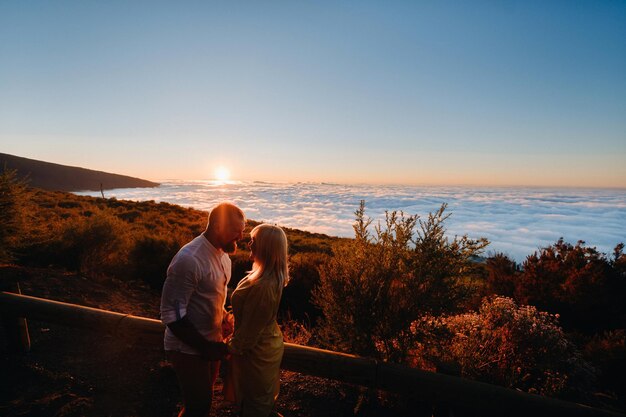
517, 221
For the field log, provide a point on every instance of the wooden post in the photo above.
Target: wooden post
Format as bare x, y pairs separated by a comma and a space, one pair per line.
16, 328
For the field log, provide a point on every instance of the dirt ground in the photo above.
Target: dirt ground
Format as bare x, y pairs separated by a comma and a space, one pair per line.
77, 372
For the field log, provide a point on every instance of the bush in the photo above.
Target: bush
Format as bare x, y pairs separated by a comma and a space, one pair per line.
608, 352
511, 346
94, 246
374, 287
241, 265
295, 332
304, 276
150, 257
502, 274
578, 282
13, 198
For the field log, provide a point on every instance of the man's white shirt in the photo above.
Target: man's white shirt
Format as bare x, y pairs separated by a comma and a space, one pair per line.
195, 288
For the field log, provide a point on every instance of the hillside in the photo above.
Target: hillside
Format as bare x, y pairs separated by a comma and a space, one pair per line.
114, 237
73, 372
56, 177
113, 254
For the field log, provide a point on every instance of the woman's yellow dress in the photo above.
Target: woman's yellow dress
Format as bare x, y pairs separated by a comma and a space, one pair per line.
256, 346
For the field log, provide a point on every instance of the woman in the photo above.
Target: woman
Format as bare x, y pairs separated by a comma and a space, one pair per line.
256, 345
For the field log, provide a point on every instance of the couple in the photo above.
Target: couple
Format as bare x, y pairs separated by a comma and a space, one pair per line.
198, 329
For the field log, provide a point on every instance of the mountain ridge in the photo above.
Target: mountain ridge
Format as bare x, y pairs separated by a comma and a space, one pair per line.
57, 177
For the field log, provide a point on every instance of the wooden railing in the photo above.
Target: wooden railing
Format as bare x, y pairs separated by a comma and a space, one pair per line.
454, 392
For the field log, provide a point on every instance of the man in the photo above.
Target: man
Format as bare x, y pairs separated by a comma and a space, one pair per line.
192, 307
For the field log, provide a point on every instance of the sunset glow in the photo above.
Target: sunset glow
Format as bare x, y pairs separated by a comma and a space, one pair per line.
340, 92
429, 192
222, 173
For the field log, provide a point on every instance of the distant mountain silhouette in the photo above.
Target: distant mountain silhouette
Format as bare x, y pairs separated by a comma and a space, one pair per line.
57, 177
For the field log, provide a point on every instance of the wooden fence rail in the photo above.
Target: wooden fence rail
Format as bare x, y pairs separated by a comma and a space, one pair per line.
434, 388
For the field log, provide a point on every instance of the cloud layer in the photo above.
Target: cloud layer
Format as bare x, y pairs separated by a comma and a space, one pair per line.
517, 221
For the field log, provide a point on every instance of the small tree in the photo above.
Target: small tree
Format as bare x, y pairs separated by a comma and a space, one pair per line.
502, 273
375, 286
14, 195
586, 288
446, 271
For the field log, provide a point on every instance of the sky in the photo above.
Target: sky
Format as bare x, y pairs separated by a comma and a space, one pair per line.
386, 92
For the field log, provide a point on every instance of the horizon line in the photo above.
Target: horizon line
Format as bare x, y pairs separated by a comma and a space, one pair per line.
390, 184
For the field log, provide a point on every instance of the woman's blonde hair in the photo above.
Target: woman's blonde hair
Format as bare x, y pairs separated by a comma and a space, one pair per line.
270, 257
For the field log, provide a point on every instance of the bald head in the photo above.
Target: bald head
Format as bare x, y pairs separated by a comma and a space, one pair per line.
225, 227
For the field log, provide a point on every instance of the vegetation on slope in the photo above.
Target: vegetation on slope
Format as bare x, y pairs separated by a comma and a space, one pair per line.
405, 293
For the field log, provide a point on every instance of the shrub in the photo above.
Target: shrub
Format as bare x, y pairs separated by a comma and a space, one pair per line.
13, 198
150, 257
516, 347
502, 273
241, 265
578, 282
374, 287
304, 276
94, 246
130, 216
608, 352
446, 272
295, 332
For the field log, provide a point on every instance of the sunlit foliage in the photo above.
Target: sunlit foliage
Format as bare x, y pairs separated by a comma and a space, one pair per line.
509, 345
375, 286
129, 240
399, 291
584, 286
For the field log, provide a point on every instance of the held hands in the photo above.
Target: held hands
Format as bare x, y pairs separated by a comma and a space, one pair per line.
228, 325
215, 351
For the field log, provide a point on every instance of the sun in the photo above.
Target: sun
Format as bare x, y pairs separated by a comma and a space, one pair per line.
222, 173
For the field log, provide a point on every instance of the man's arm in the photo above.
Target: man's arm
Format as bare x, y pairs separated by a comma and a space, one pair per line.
180, 284
185, 331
